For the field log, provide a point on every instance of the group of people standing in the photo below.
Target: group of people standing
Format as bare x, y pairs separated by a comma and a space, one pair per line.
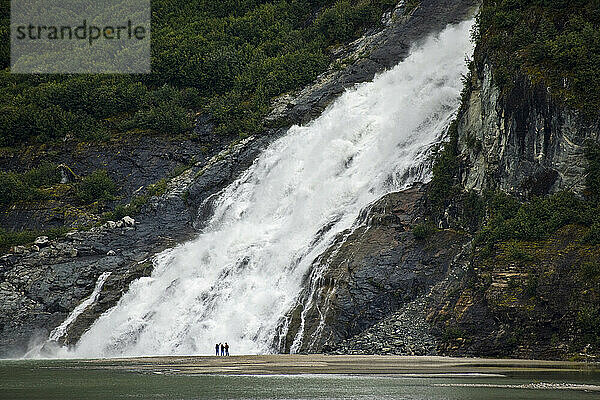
223, 347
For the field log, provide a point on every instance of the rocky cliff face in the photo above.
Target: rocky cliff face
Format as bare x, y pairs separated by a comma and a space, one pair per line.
523, 141
527, 299
372, 275
530, 300
133, 162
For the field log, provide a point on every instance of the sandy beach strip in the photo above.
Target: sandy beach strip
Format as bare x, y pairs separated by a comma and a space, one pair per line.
335, 364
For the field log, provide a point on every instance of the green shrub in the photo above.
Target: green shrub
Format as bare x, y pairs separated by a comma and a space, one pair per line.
531, 285
159, 188
45, 175
11, 189
346, 18
517, 252
590, 271
424, 230
135, 205
593, 235
9, 239
533, 220
443, 186
122, 210
452, 333
165, 118
15, 187
118, 213
588, 320
97, 186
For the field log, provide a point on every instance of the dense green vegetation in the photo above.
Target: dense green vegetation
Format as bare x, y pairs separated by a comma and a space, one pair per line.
424, 230
537, 219
97, 186
93, 190
499, 217
228, 59
27, 186
443, 186
554, 41
39, 184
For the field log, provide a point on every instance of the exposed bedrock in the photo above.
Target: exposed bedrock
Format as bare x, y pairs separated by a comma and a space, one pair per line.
439, 296
523, 142
372, 274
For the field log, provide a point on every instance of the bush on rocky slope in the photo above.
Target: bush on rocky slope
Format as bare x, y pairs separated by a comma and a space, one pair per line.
97, 186
27, 186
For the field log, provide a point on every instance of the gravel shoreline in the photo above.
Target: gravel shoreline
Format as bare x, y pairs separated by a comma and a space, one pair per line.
335, 364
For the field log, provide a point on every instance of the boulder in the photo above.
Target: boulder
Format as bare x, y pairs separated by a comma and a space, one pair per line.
128, 222
42, 241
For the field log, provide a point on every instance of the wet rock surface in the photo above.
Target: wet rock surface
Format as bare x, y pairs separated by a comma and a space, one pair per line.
363, 294
39, 287
133, 162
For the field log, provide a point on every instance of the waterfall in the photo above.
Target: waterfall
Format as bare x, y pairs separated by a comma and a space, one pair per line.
61, 330
244, 272
36, 349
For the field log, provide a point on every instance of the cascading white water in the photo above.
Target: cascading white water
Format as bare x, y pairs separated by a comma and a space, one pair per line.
61, 330
237, 279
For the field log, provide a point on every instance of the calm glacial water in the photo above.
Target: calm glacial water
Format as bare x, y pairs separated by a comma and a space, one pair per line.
48, 380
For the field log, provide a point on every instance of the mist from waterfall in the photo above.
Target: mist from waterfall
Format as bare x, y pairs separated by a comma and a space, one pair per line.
241, 275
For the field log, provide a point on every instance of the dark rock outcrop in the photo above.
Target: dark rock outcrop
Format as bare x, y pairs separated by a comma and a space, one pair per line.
524, 142
525, 299
535, 301
370, 274
133, 162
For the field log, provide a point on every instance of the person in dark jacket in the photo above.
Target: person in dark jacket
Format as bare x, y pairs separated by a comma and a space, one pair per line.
226, 349
217, 349
222, 349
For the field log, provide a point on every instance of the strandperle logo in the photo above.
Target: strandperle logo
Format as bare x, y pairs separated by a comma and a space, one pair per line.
80, 36
90, 33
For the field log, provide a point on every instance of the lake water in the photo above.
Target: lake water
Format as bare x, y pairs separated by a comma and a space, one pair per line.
48, 380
